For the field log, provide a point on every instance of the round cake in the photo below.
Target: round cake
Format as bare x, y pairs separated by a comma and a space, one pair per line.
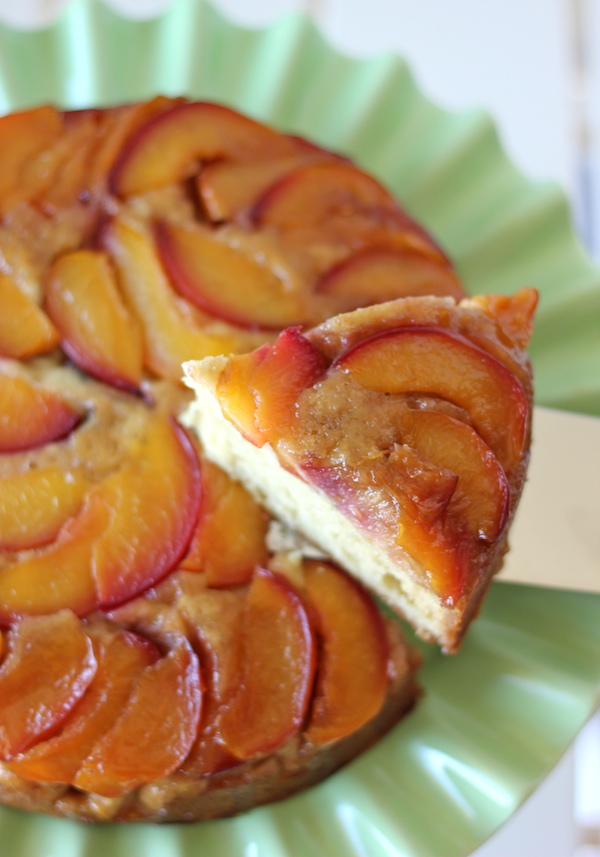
159, 659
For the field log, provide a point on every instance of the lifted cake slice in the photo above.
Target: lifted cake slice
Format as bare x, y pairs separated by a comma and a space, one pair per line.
394, 438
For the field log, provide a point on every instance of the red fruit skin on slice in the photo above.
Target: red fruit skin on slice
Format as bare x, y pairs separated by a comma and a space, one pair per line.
290, 366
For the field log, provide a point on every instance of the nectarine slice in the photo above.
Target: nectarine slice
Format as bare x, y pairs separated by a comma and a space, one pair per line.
34, 504
352, 676
290, 366
278, 662
313, 194
22, 136
58, 576
67, 176
225, 281
375, 274
49, 665
25, 329
235, 392
440, 362
227, 188
229, 541
31, 416
99, 333
446, 554
155, 731
118, 125
121, 659
173, 333
154, 501
482, 495
214, 618
132, 530
258, 391
168, 148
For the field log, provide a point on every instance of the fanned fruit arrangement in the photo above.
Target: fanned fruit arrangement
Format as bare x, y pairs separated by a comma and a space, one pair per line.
160, 658
395, 438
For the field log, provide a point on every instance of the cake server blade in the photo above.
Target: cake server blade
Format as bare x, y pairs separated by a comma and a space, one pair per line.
555, 536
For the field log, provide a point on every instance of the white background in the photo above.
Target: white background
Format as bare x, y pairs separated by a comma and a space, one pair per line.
535, 65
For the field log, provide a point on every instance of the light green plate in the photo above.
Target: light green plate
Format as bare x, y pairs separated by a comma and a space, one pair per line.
497, 716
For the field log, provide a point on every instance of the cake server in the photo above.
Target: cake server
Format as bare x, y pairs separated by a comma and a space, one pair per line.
555, 537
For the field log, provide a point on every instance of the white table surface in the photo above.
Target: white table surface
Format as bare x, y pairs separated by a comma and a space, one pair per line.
537, 71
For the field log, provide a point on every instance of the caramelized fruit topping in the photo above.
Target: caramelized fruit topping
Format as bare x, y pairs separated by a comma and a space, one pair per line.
135, 239
37, 693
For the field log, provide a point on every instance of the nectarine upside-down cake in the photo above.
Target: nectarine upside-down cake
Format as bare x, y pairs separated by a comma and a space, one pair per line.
161, 658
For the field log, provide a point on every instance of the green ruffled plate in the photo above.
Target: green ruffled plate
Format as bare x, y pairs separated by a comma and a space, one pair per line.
499, 715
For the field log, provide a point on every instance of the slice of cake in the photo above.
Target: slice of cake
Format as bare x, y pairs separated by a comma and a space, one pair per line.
394, 438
